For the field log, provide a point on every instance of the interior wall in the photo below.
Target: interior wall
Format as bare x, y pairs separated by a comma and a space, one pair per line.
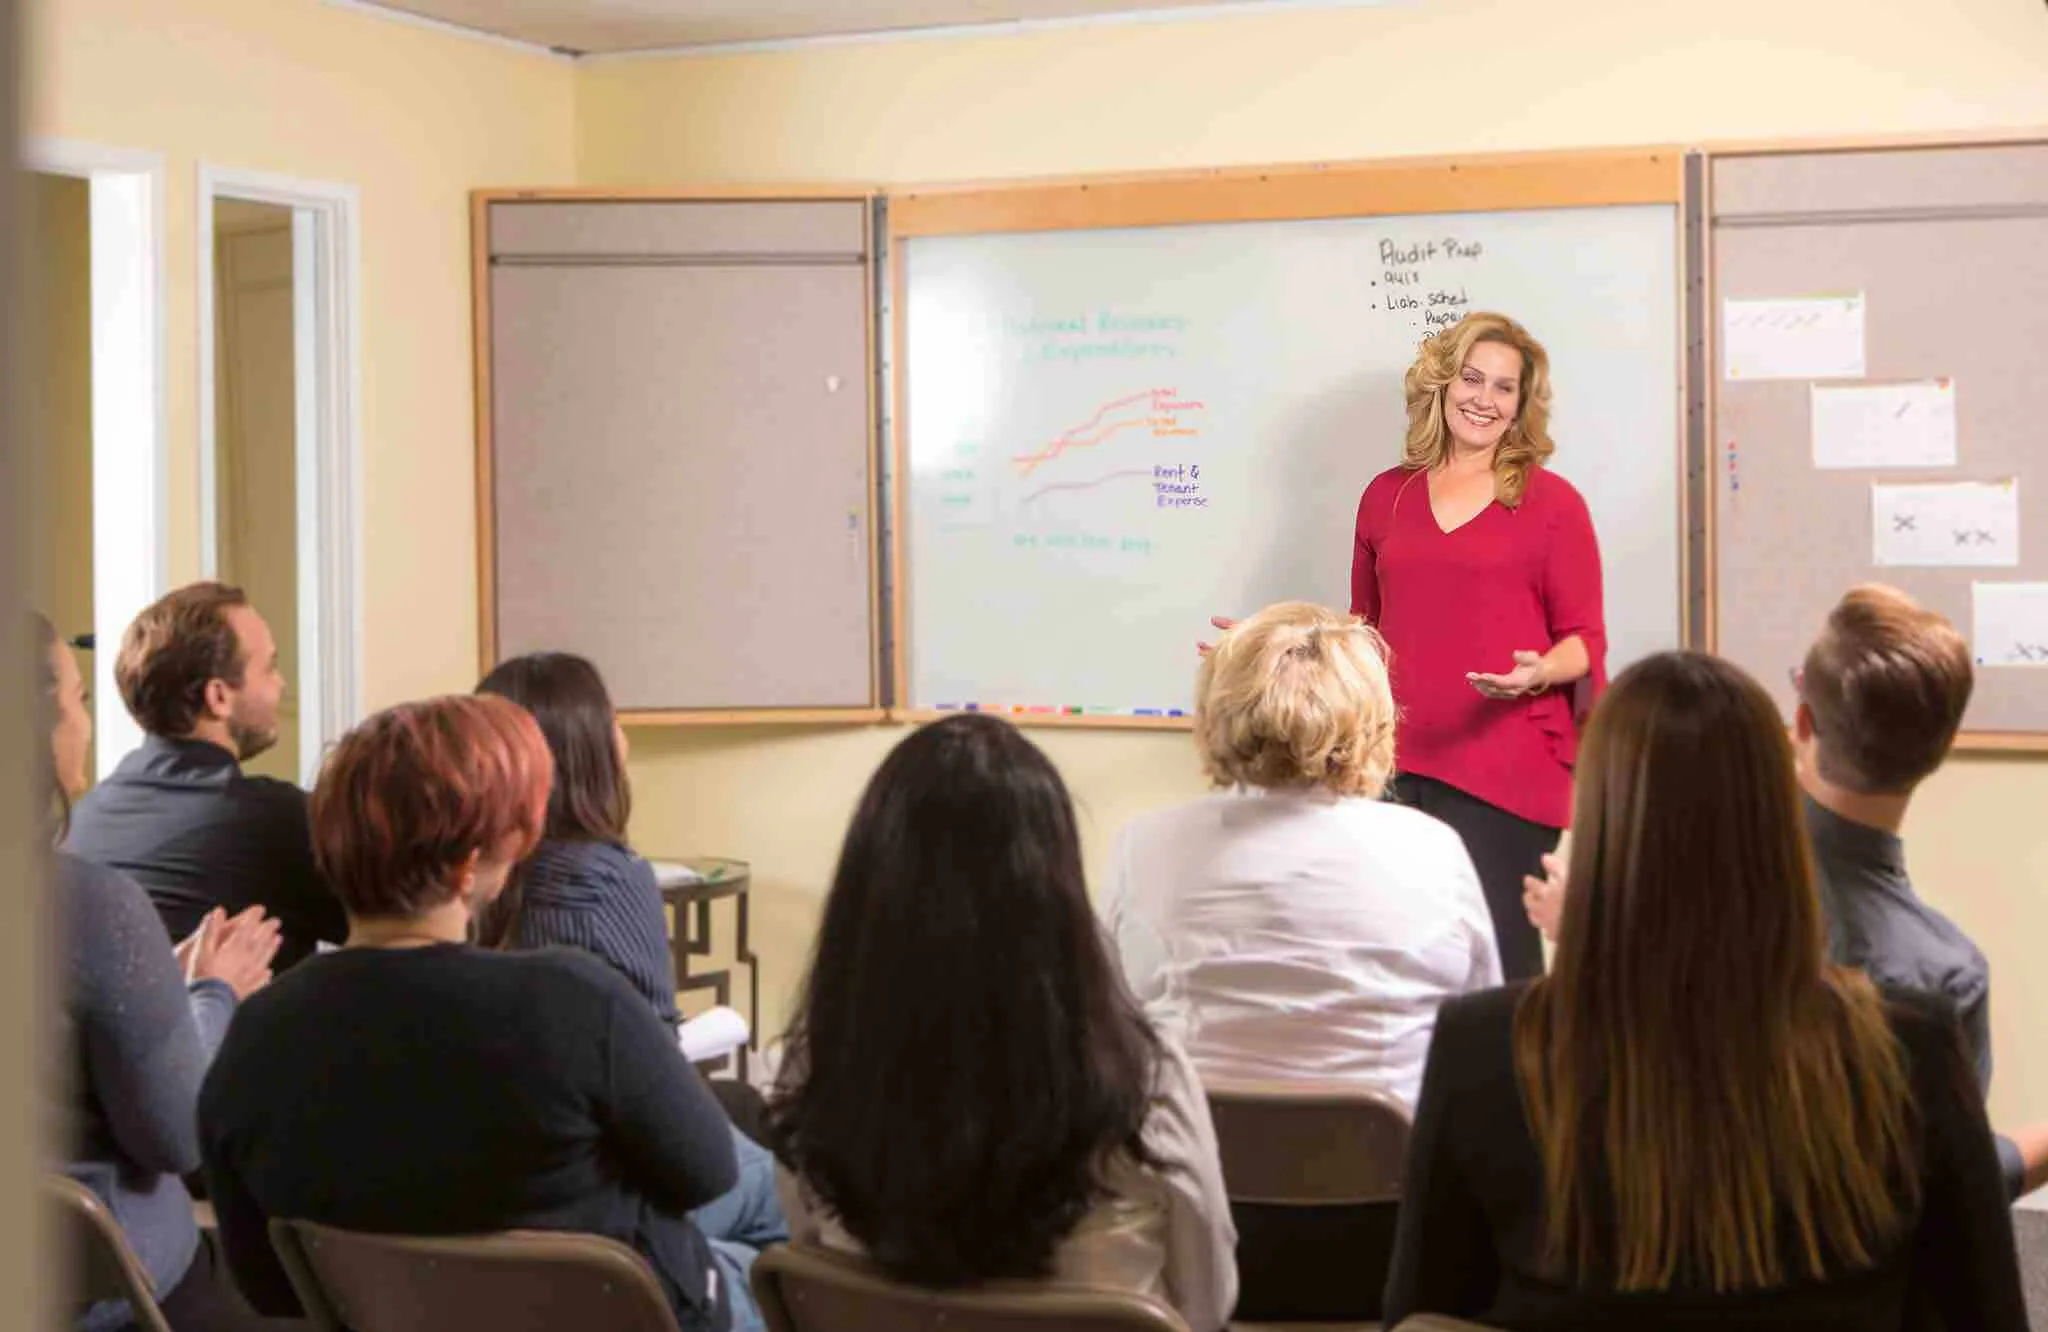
414, 119
57, 404
1443, 77
256, 438
1311, 84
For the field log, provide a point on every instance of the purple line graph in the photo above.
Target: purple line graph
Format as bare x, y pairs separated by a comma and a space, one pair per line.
1087, 485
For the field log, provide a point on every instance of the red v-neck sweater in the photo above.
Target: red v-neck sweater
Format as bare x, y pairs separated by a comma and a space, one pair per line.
1466, 600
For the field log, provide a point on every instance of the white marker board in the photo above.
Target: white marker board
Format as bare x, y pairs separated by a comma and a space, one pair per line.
1111, 435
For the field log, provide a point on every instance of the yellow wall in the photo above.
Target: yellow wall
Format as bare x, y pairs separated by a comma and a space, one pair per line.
1409, 77
414, 119
1444, 77
57, 326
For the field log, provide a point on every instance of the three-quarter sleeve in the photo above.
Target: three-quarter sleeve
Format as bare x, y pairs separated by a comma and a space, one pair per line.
1365, 577
1572, 590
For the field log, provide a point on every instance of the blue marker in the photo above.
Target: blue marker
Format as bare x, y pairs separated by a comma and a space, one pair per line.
1176, 713
1145, 712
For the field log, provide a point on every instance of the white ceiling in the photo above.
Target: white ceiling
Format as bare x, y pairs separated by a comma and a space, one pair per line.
616, 26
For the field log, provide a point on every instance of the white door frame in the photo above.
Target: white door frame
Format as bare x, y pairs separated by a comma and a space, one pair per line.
130, 416
327, 296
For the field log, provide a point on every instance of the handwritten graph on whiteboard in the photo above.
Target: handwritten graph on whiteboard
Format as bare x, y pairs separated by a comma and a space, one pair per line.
1110, 436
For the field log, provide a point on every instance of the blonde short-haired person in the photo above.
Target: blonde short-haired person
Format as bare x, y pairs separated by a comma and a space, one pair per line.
1293, 925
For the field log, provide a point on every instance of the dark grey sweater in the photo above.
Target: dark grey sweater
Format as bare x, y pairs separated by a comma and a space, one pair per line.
448, 1090
137, 1042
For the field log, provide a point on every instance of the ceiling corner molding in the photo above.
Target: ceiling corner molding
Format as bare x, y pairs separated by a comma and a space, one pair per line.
1192, 13
391, 14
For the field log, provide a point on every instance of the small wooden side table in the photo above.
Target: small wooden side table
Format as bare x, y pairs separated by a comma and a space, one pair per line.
718, 877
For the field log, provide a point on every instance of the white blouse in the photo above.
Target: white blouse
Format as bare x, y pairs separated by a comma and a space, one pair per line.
1284, 936
1165, 1233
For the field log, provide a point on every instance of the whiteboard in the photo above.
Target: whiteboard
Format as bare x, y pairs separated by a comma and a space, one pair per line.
1111, 435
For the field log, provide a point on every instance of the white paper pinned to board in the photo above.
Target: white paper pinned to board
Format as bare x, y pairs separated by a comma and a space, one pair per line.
1885, 425
2009, 624
1949, 524
1800, 337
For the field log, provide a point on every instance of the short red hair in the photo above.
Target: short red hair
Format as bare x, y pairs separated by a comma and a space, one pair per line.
408, 795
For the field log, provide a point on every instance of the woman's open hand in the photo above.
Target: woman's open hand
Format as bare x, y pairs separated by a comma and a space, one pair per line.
1530, 676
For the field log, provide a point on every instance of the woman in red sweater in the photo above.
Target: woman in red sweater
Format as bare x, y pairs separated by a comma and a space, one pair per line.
1479, 567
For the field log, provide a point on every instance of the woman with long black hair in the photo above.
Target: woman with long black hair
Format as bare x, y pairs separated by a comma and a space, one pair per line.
969, 1092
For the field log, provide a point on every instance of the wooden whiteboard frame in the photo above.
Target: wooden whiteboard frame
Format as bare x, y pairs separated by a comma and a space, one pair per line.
2010, 742
486, 500
1493, 183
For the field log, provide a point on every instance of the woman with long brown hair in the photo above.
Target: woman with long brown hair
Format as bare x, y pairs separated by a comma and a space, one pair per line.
1695, 1120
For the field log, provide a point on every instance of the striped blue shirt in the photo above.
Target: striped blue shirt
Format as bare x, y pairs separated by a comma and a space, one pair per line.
602, 899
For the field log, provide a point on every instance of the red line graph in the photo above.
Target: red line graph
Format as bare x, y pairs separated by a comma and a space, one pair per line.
1074, 438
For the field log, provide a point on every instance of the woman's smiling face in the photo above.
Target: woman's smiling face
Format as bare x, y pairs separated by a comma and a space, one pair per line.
1481, 403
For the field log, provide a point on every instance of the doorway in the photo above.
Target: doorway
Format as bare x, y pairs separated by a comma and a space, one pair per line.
278, 453
255, 438
101, 529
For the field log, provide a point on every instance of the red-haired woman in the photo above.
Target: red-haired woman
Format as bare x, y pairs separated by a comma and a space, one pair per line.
413, 1084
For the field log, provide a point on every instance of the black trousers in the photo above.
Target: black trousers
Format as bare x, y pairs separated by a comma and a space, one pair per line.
1312, 1264
1503, 848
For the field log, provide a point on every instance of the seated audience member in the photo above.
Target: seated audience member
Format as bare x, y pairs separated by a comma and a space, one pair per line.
968, 1091
583, 887
198, 672
1696, 1120
1294, 926
1881, 696
135, 1037
414, 1084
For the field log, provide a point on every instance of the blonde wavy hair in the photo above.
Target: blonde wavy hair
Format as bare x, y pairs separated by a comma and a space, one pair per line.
1527, 442
1296, 698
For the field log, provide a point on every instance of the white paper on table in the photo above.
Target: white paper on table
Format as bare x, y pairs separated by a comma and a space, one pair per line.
1950, 523
714, 1033
1801, 337
674, 874
2009, 624
1885, 425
